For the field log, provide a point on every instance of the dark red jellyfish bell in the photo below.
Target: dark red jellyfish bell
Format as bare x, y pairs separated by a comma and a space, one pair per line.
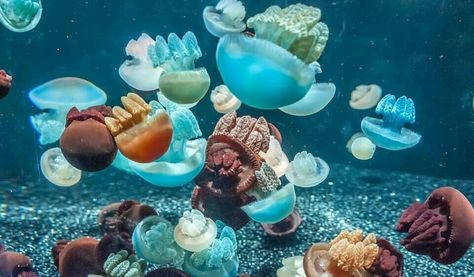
130, 213
285, 228
5, 83
442, 227
389, 262
16, 264
79, 259
113, 243
86, 142
167, 272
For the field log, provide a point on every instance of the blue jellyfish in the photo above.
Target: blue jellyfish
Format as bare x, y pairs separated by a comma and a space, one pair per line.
226, 17
20, 15
389, 132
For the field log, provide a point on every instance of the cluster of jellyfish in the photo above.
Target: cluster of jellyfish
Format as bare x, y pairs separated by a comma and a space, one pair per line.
237, 171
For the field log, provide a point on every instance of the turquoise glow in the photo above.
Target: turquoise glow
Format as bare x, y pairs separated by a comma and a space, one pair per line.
20, 15
389, 133
260, 73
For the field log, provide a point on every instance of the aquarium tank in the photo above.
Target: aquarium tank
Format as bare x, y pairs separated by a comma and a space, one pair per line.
236, 138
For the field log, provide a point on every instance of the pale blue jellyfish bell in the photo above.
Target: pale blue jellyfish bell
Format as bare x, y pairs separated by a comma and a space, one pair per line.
389, 133
306, 170
226, 17
314, 101
58, 97
20, 15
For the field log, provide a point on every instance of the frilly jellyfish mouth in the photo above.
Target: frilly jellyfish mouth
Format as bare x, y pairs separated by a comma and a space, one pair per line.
245, 63
387, 138
20, 16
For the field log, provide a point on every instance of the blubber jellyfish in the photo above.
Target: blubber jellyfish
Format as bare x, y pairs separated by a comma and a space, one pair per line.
389, 133
226, 17
195, 232
314, 101
362, 148
57, 170
306, 170
223, 100
365, 97
20, 15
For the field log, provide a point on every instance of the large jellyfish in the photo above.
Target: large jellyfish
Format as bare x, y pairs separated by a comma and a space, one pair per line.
180, 82
442, 227
314, 101
20, 15
389, 132
58, 97
58, 170
286, 41
306, 170
5, 83
226, 17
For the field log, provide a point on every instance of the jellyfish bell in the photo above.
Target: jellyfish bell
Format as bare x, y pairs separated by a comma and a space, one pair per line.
362, 148
20, 16
195, 232
5, 83
306, 170
57, 170
314, 101
365, 97
223, 100
185, 87
226, 17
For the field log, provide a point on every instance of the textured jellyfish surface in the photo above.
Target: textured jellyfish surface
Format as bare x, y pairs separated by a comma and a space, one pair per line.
315, 100
389, 133
58, 97
305, 170
58, 170
5, 83
365, 97
226, 17
139, 72
20, 15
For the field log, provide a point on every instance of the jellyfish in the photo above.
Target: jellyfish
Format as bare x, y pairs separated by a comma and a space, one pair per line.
16, 264
286, 41
153, 241
389, 133
167, 272
124, 264
442, 227
362, 148
365, 97
141, 134
292, 267
129, 214
195, 232
226, 17
79, 258
20, 15
275, 157
185, 157
58, 97
86, 142
5, 83
223, 100
139, 72
284, 228
57, 170
314, 101
217, 260
112, 243
306, 170
180, 82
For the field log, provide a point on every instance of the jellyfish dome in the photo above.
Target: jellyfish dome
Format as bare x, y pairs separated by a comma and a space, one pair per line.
306, 170
314, 101
226, 17
58, 170
389, 133
362, 148
365, 97
20, 16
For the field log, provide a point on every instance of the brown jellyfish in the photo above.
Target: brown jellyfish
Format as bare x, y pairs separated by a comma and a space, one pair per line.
57, 249
79, 259
167, 272
130, 213
285, 228
389, 262
86, 142
107, 217
113, 243
16, 265
5, 83
442, 227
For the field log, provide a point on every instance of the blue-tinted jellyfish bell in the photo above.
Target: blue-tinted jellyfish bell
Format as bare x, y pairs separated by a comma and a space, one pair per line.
20, 15
185, 157
58, 170
389, 133
180, 82
314, 101
273, 203
306, 170
226, 17
58, 97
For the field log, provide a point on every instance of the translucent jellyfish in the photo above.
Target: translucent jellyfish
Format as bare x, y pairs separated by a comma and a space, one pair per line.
218, 260
185, 157
195, 232
314, 101
123, 264
180, 82
20, 15
223, 100
365, 97
389, 133
275, 157
142, 134
58, 97
273, 203
58, 170
226, 17
292, 267
306, 170
5, 83
153, 241
362, 148
139, 72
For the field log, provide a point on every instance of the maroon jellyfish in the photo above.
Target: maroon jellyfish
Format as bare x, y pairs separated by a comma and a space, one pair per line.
389, 262
79, 259
111, 244
167, 272
442, 227
15, 265
107, 217
57, 249
285, 228
5, 83
86, 142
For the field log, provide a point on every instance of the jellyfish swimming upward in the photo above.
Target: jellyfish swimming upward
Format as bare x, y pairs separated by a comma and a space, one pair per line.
20, 15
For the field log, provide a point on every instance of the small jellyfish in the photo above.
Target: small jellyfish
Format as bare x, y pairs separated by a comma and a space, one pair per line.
223, 100
79, 258
275, 157
129, 214
362, 148
181, 82
284, 228
5, 83
113, 243
292, 267
314, 101
389, 133
442, 227
20, 15
226, 17
306, 170
365, 97
141, 134
139, 72
58, 97
15, 264
351, 140
195, 232
58, 170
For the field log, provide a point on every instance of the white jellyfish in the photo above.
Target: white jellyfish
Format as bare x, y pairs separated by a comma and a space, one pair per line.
365, 97
306, 170
226, 17
57, 169
275, 157
314, 101
223, 100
